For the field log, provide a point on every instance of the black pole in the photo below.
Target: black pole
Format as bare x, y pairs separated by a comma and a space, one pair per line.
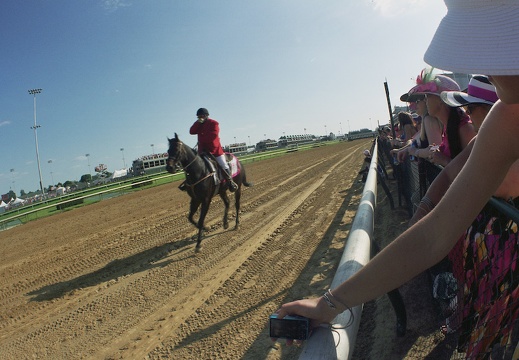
389, 108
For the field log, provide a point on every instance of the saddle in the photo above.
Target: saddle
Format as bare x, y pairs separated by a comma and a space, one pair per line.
213, 166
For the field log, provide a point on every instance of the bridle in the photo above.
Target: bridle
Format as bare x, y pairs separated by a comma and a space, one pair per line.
173, 161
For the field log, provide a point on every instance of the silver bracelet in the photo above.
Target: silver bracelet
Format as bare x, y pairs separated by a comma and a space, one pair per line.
328, 301
328, 296
428, 202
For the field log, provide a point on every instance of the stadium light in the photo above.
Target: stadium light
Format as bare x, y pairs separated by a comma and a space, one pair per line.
88, 160
33, 92
51, 174
12, 176
124, 161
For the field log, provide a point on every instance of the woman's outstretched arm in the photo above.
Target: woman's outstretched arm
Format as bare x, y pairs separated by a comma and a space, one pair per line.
430, 239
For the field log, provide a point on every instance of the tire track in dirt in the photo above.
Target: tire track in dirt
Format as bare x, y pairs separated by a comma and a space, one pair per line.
238, 259
156, 274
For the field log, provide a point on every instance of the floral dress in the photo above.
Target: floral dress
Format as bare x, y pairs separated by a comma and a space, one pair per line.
486, 264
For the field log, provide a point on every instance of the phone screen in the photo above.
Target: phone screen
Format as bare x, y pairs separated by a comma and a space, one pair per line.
290, 327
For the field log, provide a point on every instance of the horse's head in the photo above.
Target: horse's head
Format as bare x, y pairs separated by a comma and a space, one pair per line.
175, 152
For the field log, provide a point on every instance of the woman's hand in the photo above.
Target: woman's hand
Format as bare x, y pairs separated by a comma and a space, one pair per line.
413, 151
402, 155
438, 158
316, 309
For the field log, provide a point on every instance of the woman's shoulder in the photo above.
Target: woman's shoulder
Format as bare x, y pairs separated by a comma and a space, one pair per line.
430, 119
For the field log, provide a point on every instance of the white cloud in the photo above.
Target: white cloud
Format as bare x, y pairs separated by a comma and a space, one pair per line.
114, 5
5, 122
392, 8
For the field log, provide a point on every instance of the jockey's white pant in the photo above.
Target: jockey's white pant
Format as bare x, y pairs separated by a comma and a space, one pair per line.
222, 162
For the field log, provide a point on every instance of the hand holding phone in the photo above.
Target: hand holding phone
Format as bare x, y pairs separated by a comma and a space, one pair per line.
290, 327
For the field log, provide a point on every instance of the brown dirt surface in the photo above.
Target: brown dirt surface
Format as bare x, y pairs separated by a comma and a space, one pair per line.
119, 279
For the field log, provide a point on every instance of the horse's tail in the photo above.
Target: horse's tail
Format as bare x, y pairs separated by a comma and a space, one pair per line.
244, 176
244, 179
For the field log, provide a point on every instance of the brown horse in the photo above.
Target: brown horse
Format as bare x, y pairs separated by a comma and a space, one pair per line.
203, 182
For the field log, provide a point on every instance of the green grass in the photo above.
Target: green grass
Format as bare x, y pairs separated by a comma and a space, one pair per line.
98, 193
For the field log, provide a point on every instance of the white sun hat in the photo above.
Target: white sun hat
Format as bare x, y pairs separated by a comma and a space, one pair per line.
479, 91
477, 37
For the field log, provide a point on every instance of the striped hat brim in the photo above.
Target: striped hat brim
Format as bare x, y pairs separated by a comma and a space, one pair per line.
458, 98
480, 90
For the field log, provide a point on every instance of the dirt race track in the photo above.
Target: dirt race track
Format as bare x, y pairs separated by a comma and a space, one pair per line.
120, 279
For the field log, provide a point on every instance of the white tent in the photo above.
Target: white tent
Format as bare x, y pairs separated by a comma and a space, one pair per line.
16, 202
3, 205
119, 173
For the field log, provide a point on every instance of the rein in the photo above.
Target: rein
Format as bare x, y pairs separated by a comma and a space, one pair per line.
199, 181
176, 160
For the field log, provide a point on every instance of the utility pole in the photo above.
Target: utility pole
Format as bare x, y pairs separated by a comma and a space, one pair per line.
35, 128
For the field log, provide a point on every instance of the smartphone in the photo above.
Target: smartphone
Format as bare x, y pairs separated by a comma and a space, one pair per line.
290, 327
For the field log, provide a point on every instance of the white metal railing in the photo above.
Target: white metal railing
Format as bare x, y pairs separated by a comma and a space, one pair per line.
339, 343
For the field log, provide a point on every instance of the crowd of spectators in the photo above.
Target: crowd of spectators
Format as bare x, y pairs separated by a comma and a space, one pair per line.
483, 321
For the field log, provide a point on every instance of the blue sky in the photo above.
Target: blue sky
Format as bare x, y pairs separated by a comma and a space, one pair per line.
127, 74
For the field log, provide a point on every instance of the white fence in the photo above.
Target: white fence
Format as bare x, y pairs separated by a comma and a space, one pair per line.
339, 344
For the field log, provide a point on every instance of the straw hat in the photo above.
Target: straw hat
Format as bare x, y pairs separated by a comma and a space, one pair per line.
480, 91
477, 37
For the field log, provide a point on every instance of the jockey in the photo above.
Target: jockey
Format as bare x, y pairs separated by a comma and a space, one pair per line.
208, 131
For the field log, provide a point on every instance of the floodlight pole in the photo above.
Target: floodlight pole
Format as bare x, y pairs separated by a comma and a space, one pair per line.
88, 162
12, 176
35, 127
124, 161
51, 172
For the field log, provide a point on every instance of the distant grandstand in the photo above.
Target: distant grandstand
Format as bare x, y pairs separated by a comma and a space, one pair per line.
294, 140
236, 149
149, 164
265, 145
361, 134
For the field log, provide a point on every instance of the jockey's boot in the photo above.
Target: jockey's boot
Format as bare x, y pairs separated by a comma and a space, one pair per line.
183, 186
232, 185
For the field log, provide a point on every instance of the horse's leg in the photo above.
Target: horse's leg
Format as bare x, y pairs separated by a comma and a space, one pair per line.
237, 197
201, 219
226, 202
193, 207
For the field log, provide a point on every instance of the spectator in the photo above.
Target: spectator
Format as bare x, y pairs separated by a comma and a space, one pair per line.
430, 132
408, 127
458, 129
495, 150
384, 144
477, 101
